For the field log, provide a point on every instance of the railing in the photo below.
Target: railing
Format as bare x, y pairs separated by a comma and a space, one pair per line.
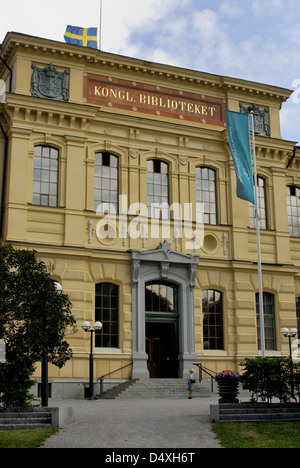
207, 371
110, 373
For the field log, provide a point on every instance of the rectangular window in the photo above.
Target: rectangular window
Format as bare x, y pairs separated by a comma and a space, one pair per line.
106, 183
269, 321
45, 176
262, 212
293, 210
107, 312
212, 309
206, 206
158, 189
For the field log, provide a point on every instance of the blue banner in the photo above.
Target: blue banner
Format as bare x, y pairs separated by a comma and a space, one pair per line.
84, 37
239, 142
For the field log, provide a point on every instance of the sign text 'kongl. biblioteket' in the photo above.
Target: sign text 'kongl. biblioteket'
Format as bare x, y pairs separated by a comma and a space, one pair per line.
155, 100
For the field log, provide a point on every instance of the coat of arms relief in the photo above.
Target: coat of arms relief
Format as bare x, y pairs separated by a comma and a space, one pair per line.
48, 83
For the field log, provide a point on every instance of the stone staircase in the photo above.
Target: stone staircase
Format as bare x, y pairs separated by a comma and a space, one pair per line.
157, 388
30, 418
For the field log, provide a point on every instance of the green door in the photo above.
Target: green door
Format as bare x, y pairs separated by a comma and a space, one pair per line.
162, 330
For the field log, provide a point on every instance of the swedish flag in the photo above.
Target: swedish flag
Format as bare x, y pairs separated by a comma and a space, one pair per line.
84, 37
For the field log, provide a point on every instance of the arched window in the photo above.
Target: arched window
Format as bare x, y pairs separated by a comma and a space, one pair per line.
269, 321
161, 297
212, 309
262, 212
106, 183
206, 195
158, 189
45, 176
293, 210
107, 312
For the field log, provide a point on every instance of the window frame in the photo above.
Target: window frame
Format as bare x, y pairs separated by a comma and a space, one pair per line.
263, 212
216, 338
48, 171
101, 191
204, 197
270, 331
158, 204
294, 227
104, 314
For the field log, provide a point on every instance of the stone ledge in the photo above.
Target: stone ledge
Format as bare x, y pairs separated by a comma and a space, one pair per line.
255, 412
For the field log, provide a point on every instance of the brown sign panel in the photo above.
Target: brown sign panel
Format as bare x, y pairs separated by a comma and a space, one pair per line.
154, 100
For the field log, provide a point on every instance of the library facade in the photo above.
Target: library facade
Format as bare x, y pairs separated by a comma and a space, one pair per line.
118, 173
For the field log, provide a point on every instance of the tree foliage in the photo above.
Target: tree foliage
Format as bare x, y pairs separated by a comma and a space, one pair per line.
34, 318
268, 378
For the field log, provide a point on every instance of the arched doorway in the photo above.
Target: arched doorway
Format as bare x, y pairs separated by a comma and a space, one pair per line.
178, 271
162, 337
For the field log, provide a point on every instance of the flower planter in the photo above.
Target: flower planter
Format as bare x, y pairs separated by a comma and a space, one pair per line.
228, 386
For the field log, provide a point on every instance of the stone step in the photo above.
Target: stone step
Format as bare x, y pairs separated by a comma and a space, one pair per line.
27, 419
157, 388
257, 413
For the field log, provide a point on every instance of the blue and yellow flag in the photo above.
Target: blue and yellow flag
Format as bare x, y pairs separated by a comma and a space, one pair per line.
84, 37
239, 141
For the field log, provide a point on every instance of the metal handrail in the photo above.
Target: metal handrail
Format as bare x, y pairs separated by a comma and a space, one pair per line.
207, 371
109, 373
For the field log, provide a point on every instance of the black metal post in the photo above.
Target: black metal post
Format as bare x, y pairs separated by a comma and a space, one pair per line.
91, 368
45, 385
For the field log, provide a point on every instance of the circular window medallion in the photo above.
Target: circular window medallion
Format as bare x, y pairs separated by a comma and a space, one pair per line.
106, 232
210, 244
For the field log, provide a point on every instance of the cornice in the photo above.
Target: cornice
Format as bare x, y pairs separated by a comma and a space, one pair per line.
131, 67
32, 109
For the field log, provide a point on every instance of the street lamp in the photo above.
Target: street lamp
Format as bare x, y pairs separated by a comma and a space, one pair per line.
289, 334
45, 382
86, 326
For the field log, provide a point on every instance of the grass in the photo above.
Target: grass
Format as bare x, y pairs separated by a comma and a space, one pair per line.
27, 438
258, 435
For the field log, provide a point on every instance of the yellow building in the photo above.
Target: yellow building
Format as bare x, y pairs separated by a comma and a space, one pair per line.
108, 167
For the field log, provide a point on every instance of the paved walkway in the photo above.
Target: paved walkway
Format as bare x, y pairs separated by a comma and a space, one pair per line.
154, 423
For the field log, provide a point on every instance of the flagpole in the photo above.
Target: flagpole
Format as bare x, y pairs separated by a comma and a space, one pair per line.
100, 28
261, 304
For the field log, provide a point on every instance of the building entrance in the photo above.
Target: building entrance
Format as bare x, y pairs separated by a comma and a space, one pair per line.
162, 337
162, 349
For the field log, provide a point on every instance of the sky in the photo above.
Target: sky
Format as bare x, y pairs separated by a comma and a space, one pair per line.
257, 40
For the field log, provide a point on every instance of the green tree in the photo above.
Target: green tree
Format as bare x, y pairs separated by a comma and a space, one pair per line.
34, 319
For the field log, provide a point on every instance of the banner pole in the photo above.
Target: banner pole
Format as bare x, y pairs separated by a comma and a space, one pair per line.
261, 304
100, 26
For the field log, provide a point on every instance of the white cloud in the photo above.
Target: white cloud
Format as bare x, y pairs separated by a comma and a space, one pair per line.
231, 9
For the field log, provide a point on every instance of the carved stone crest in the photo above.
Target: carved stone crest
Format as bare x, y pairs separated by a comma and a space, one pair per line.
48, 83
261, 123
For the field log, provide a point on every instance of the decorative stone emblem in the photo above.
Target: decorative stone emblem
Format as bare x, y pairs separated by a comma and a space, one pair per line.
261, 124
48, 83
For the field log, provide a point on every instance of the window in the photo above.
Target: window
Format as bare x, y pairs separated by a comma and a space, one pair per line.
206, 195
160, 298
106, 183
158, 189
269, 319
261, 194
293, 210
212, 309
45, 176
107, 312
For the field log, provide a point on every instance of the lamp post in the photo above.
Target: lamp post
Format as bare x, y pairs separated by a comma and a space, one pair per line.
289, 334
45, 383
87, 328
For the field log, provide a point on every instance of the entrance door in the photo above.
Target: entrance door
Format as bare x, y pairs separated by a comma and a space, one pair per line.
162, 337
162, 349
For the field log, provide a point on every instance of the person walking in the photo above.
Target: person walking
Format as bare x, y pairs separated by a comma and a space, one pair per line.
191, 381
